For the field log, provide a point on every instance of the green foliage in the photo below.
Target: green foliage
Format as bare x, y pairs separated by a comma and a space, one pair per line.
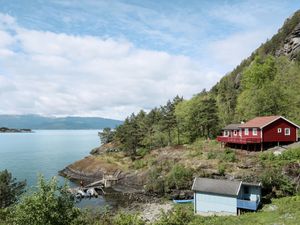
106, 135
142, 152
221, 169
198, 117
10, 189
155, 181
180, 177
180, 215
229, 156
275, 183
280, 174
48, 205
139, 164
211, 155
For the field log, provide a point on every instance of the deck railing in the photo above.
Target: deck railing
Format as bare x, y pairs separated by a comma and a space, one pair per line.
239, 140
246, 204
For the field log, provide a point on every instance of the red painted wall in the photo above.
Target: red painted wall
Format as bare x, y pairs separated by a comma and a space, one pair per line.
250, 133
270, 133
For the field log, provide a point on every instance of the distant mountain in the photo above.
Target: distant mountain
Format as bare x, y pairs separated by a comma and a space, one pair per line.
59, 123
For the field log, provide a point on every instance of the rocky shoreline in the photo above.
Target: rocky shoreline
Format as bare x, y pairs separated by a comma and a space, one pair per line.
13, 130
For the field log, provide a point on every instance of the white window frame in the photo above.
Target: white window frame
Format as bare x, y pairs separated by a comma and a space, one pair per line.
246, 131
226, 133
287, 131
279, 130
235, 132
254, 131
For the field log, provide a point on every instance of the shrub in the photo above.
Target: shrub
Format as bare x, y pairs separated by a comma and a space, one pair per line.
211, 155
229, 156
179, 177
139, 164
155, 182
221, 169
275, 183
48, 205
180, 215
142, 152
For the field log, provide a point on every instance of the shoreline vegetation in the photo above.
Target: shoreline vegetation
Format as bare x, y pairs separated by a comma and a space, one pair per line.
153, 179
14, 130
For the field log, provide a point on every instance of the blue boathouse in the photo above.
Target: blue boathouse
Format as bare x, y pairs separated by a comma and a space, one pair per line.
224, 197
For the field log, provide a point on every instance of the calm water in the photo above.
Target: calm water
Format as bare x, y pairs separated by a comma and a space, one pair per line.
46, 152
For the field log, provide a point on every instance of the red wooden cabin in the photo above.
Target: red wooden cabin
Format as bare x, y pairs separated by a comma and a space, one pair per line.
264, 130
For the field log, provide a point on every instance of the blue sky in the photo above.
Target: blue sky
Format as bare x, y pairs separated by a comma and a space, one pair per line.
111, 58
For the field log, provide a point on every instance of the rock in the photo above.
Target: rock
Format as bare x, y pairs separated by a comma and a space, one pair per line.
11, 130
291, 46
108, 147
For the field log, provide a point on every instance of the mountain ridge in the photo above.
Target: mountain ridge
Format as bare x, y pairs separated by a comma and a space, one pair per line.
33, 121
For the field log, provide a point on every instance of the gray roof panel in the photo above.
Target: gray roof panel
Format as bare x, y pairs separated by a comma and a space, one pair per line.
233, 126
215, 186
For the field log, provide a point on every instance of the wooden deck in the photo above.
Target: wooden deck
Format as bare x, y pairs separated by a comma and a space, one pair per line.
239, 140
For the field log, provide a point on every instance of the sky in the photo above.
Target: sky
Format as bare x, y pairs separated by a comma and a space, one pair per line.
109, 58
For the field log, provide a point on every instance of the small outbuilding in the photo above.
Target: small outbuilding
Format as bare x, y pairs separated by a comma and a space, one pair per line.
225, 197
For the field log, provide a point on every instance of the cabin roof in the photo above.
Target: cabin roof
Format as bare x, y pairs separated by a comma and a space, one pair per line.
215, 186
233, 126
263, 121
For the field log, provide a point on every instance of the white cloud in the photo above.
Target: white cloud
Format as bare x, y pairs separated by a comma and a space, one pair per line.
233, 49
60, 74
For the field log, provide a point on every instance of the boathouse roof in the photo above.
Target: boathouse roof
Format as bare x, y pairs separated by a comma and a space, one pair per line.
215, 186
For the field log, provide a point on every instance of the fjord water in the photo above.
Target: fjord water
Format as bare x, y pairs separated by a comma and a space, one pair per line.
45, 152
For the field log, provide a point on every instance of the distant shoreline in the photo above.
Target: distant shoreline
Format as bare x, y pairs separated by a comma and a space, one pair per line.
13, 130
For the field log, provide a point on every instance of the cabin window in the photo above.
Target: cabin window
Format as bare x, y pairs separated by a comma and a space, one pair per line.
279, 130
226, 133
254, 131
246, 131
235, 132
287, 131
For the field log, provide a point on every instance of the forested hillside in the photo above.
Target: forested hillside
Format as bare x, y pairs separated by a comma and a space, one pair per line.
266, 83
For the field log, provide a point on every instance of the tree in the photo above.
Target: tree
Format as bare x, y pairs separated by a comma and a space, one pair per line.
48, 205
10, 189
203, 120
168, 121
106, 135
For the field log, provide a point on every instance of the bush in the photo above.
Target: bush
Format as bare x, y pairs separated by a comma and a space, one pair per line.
221, 169
180, 177
48, 205
229, 156
155, 182
211, 155
142, 152
139, 164
180, 215
276, 184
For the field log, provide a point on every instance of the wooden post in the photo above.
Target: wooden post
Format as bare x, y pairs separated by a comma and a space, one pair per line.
261, 146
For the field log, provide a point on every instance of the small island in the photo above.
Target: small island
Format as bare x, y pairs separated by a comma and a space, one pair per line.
13, 130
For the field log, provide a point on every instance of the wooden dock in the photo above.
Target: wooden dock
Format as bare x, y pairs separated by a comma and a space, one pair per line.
95, 188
